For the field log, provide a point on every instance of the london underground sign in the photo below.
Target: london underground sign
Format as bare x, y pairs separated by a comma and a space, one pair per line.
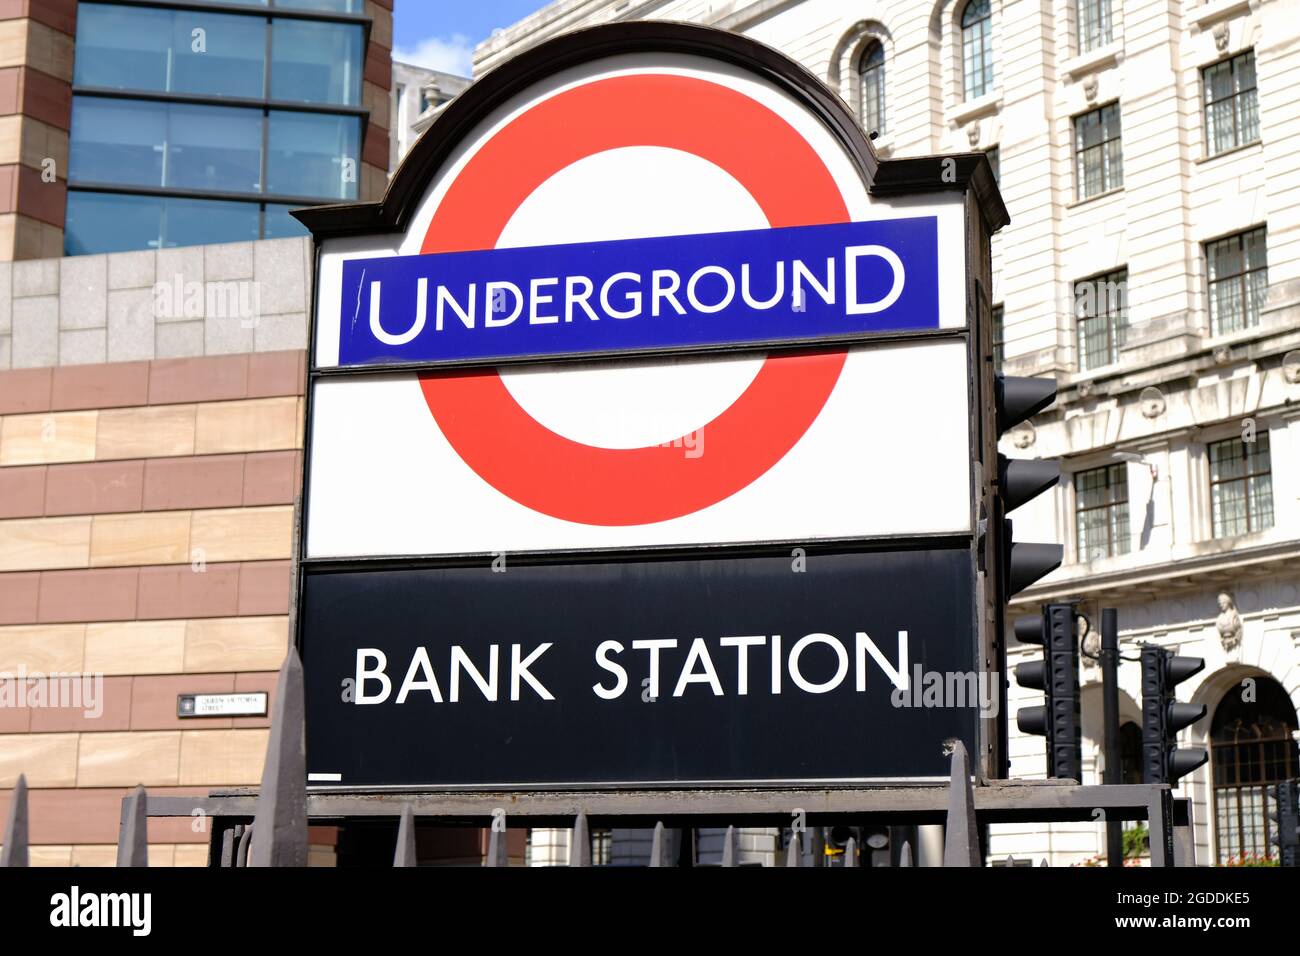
636, 290
776, 285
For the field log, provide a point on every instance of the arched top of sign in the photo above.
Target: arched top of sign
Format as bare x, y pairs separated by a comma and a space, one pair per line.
463, 116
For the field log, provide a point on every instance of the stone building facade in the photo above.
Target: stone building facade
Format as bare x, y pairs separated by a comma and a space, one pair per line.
1147, 153
150, 434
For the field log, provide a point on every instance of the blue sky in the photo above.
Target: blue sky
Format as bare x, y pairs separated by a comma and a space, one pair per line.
442, 34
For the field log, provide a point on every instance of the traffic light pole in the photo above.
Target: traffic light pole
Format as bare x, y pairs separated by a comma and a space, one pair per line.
1110, 706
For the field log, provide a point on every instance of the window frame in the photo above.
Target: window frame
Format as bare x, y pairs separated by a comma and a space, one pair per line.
1116, 179
1261, 434
872, 47
984, 41
1206, 104
1106, 19
1117, 323
997, 335
1242, 278
1082, 553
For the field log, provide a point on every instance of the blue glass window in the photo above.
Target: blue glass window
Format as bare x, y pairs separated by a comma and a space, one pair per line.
278, 224
192, 222
117, 141
145, 143
107, 222
313, 154
214, 147
314, 62
104, 222
333, 6
177, 51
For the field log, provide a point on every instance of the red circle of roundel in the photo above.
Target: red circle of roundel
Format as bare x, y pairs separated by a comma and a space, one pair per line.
554, 475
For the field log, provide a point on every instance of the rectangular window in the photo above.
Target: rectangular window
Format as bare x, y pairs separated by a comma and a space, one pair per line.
1094, 24
1101, 318
332, 6
1237, 271
313, 154
313, 62
156, 144
1101, 512
108, 222
1241, 486
171, 51
998, 337
1098, 158
278, 224
1231, 103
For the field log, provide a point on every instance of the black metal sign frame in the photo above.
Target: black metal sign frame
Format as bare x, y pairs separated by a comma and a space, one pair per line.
967, 174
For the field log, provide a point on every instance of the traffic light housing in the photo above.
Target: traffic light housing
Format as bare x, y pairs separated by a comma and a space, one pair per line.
1057, 676
837, 842
1285, 814
1163, 761
1022, 563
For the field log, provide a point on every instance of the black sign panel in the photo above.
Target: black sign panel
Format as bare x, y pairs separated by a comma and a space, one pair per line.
721, 670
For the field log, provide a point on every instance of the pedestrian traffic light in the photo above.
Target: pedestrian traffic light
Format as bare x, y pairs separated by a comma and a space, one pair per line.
1285, 814
1022, 563
1163, 761
1057, 676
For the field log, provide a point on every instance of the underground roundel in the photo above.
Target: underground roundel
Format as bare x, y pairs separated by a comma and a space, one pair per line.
646, 300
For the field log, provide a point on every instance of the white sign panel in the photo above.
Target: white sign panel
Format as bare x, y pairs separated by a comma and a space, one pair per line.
642, 203
872, 442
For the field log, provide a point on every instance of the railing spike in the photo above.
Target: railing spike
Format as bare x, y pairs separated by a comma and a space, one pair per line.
659, 848
580, 842
242, 848
497, 853
404, 854
794, 852
228, 846
281, 816
15, 848
851, 852
729, 848
961, 838
905, 854
133, 835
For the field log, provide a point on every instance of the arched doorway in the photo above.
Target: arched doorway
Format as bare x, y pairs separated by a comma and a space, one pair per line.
1252, 747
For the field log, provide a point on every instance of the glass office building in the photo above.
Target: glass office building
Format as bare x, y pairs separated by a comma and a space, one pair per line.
206, 122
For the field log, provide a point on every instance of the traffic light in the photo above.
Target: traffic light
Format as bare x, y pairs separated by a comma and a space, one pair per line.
1285, 814
1057, 676
837, 844
1162, 716
1022, 563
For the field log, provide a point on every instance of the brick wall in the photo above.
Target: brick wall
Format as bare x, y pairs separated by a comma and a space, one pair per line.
146, 522
36, 41
376, 90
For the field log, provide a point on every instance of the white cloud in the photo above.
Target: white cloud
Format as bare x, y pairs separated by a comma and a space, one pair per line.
454, 54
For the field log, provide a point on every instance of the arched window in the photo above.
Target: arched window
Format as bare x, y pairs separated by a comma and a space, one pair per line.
871, 88
977, 47
1251, 748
